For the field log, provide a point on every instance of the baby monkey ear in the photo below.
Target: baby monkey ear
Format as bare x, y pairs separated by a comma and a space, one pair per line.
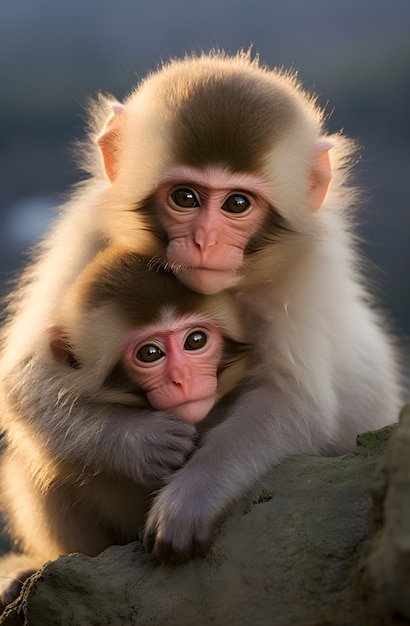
61, 348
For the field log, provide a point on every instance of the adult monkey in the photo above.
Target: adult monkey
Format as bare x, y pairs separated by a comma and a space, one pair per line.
221, 169
237, 192
88, 484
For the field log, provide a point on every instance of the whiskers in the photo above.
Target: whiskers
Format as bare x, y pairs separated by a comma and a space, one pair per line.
159, 265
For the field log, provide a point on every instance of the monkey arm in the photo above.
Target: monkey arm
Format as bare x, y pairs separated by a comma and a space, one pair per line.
56, 427
145, 445
264, 426
317, 405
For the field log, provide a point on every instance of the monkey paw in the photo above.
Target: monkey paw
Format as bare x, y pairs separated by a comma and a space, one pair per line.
164, 448
178, 527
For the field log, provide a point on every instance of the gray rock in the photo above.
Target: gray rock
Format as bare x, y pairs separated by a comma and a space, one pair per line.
288, 554
387, 566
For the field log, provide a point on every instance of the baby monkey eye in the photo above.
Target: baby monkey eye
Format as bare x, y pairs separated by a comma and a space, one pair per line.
185, 199
236, 204
149, 353
196, 340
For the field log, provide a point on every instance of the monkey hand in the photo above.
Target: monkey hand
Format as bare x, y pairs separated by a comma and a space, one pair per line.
164, 446
180, 521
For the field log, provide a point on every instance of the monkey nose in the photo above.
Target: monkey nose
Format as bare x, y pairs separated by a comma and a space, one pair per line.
205, 238
181, 376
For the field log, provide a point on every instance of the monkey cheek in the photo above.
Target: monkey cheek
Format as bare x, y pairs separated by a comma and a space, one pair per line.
208, 281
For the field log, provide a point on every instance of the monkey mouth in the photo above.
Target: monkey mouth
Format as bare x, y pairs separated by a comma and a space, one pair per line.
208, 280
193, 411
202, 268
177, 267
229, 270
183, 267
232, 272
200, 278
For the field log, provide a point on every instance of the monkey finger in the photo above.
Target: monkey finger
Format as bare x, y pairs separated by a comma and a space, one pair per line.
159, 467
167, 551
175, 538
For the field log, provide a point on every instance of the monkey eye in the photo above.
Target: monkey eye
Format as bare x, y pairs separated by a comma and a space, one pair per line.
196, 340
149, 353
236, 204
184, 199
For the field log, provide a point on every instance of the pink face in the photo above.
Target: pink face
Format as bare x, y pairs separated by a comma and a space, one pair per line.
175, 363
210, 216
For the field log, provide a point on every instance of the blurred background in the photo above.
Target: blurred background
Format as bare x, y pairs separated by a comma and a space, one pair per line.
355, 54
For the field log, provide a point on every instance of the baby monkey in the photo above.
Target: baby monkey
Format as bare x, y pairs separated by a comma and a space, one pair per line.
136, 339
134, 336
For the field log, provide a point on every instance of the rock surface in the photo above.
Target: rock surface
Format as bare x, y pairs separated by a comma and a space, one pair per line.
387, 566
295, 552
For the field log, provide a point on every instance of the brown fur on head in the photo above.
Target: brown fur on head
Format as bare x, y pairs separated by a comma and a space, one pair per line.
210, 109
121, 290
204, 111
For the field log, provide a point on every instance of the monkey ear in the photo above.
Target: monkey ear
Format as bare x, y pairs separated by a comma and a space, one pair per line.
320, 175
108, 140
60, 347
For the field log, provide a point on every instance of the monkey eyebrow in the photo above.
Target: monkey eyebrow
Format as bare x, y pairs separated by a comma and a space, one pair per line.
196, 177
